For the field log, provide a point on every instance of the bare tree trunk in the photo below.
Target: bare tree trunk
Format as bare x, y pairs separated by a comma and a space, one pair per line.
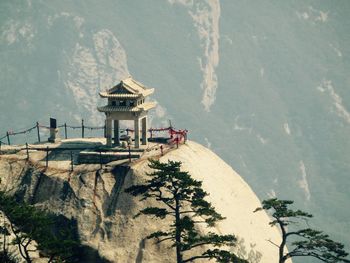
24, 254
177, 231
28, 259
4, 243
282, 258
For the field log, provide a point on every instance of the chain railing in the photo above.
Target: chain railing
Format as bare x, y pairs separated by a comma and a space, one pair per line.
176, 136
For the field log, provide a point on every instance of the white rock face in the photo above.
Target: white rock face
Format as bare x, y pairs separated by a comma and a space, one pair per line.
105, 220
233, 198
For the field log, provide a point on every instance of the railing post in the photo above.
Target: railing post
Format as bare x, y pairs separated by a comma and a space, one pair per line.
71, 161
38, 130
65, 130
47, 156
0, 146
100, 159
8, 138
129, 152
27, 151
82, 128
170, 129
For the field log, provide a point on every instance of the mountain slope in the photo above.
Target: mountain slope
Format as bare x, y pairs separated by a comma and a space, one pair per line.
103, 213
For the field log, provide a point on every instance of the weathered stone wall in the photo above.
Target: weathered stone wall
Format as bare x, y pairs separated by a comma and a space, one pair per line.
104, 219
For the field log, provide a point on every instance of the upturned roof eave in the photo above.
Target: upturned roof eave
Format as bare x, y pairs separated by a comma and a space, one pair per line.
133, 86
143, 107
145, 93
118, 95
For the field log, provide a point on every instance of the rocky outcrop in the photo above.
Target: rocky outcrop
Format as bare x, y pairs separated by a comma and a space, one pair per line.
95, 201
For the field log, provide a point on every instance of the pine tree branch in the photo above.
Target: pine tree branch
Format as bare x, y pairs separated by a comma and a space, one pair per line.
198, 245
164, 239
293, 233
27, 244
195, 258
18, 239
272, 242
23, 240
161, 198
188, 212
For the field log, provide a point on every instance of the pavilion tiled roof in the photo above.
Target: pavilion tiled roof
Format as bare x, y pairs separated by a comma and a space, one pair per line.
127, 88
143, 107
104, 94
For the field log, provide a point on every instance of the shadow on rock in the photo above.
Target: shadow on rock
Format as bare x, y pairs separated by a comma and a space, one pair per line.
119, 173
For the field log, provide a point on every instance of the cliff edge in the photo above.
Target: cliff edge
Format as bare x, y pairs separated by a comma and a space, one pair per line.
94, 200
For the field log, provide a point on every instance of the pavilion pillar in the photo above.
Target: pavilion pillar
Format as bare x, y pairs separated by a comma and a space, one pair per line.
137, 132
109, 132
144, 130
116, 132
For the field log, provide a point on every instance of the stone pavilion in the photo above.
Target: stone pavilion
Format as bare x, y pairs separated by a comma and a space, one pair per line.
127, 101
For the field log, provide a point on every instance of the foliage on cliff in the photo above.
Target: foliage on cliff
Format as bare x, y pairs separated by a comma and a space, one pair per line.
306, 242
35, 230
182, 199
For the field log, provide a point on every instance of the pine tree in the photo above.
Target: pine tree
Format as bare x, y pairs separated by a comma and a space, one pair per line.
306, 242
31, 225
182, 199
5, 255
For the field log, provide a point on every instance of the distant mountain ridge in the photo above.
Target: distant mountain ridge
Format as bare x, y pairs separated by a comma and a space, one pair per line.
264, 84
